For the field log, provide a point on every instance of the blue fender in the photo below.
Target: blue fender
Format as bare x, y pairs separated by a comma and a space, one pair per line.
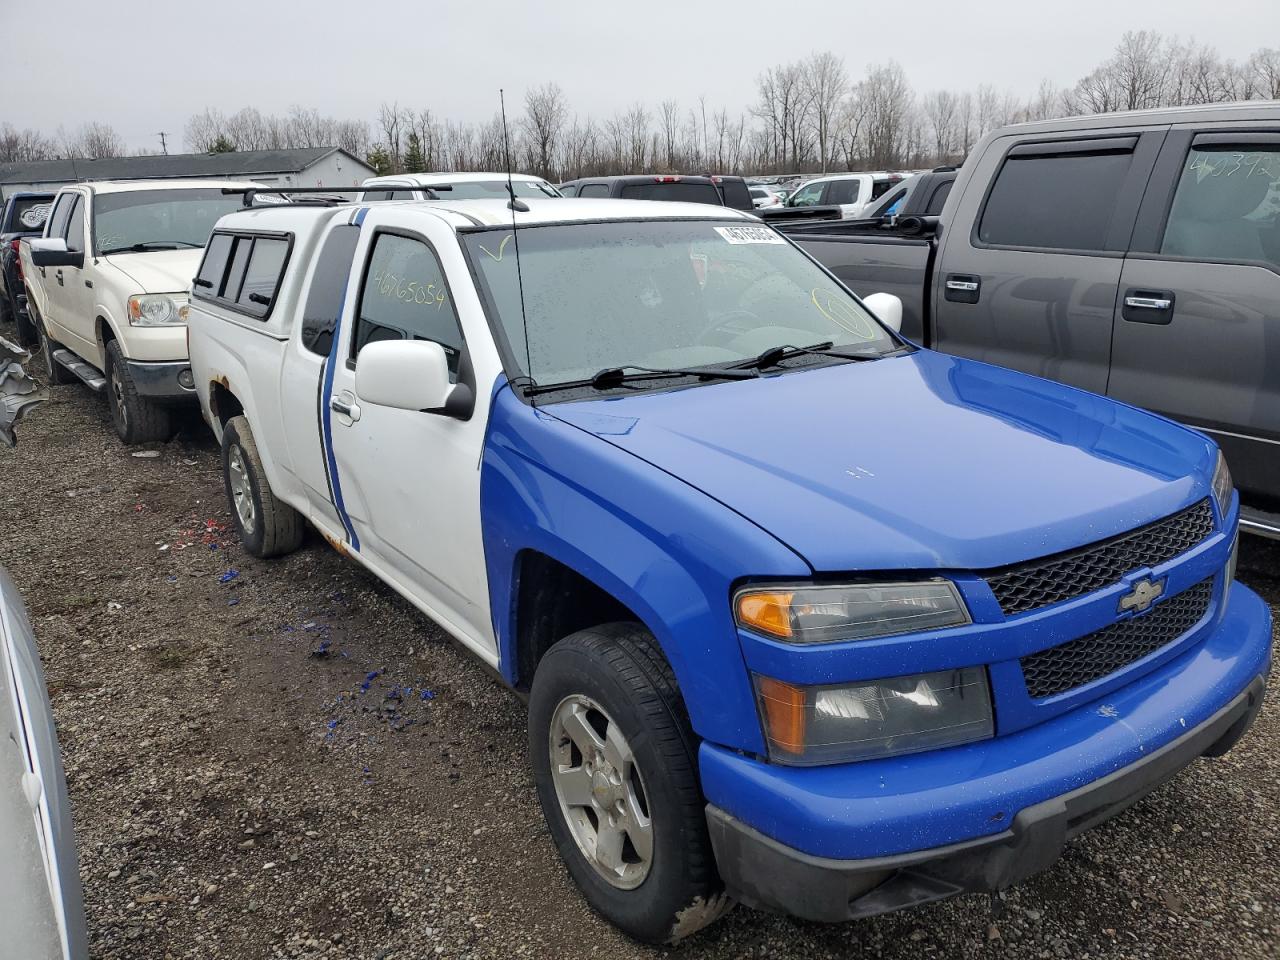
665, 549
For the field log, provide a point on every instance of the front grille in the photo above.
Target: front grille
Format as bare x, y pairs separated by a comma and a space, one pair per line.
1082, 661
1038, 583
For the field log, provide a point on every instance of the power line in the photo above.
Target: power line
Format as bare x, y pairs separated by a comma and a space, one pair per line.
164, 146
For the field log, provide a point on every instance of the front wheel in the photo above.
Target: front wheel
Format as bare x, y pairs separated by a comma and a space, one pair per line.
268, 526
137, 419
615, 763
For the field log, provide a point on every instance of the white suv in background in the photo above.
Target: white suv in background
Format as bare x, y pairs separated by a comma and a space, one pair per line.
454, 186
853, 193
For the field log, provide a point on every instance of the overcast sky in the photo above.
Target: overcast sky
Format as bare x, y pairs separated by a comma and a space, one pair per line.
147, 65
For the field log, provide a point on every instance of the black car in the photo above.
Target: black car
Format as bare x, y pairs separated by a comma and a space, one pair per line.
721, 191
24, 216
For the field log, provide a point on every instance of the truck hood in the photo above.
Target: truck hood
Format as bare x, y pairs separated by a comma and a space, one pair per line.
921, 461
159, 271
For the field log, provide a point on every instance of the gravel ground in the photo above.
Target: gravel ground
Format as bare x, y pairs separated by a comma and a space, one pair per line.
284, 759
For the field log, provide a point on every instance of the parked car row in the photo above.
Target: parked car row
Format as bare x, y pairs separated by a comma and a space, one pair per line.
809, 616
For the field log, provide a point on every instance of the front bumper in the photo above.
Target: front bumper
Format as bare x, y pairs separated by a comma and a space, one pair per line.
763, 873
161, 381
840, 842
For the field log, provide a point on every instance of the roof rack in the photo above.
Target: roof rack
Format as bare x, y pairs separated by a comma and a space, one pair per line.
317, 196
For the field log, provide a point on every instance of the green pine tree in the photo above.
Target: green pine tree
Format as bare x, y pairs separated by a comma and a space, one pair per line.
379, 159
222, 145
414, 161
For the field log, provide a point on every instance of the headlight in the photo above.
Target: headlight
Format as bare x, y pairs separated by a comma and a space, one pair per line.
1222, 485
822, 614
156, 310
858, 721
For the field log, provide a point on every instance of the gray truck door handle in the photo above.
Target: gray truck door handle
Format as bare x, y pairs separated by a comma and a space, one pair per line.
350, 410
1148, 303
962, 288
1147, 306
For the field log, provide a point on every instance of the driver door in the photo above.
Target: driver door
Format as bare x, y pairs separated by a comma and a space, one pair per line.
410, 480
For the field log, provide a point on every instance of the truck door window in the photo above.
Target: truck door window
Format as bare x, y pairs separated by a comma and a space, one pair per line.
1058, 202
328, 288
810, 195
405, 297
1227, 205
843, 191
594, 190
375, 196
939, 199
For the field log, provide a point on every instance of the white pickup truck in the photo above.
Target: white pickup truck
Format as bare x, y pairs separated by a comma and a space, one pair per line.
784, 590
107, 290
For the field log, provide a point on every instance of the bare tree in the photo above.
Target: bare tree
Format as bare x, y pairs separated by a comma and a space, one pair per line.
545, 112
828, 83
391, 120
669, 117
939, 110
92, 141
1264, 71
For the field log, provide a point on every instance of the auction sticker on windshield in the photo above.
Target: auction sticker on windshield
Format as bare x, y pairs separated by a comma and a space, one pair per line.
749, 235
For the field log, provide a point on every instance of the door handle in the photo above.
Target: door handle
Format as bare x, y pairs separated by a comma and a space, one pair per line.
1147, 306
1148, 303
89, 284
59, 276
962, 288
348, 409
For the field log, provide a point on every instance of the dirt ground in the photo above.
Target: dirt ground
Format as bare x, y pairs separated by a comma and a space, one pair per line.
283, 759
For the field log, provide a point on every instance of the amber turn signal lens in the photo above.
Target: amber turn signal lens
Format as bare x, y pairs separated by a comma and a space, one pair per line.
784, 714
769, 613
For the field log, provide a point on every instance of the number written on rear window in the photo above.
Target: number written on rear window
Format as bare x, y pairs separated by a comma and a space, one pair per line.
1227, 205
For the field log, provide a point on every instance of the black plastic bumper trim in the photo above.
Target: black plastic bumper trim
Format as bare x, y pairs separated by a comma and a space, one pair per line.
765, 874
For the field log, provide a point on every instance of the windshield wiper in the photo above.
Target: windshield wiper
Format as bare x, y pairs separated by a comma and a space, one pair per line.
775, 355
146, 245
611, 377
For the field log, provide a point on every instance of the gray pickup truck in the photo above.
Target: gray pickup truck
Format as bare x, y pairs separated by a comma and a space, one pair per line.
1136, 255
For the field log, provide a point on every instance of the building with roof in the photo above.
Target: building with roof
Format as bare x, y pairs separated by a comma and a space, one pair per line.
303, 167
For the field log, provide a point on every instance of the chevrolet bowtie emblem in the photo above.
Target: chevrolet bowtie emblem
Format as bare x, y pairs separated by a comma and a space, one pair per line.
1145, 592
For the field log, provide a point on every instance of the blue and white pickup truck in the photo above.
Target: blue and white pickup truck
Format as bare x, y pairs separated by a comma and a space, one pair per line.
807, 617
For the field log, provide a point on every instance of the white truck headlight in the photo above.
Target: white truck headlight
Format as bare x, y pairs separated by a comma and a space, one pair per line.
1222, 485
808, 613
840, 723
157, 310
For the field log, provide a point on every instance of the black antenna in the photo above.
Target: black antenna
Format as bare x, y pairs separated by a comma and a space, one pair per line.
523, 207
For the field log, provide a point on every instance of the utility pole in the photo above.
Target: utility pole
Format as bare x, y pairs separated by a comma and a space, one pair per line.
164, 147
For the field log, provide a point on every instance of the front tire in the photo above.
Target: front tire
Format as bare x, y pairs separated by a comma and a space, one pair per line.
137, 419
615, 763
268, 526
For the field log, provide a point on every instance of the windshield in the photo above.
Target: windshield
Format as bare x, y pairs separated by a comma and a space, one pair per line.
661, 294
140, 220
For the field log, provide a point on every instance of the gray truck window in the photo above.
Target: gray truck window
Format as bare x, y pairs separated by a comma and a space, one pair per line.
375, 196
807, 196
405, 297
594, 190
328, 287
1227, 205
1060, 202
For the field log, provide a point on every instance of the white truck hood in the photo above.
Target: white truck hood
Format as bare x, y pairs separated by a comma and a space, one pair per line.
159, 271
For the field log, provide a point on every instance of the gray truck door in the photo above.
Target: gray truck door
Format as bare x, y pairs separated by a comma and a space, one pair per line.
1197, 334
1028, 273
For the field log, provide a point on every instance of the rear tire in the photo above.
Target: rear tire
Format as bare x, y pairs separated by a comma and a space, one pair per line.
57, 373
611, 686
137, 419
268, 526
27, 334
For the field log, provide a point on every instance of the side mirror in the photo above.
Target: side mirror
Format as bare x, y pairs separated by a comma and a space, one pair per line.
411, 375
887, 308
53, 252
